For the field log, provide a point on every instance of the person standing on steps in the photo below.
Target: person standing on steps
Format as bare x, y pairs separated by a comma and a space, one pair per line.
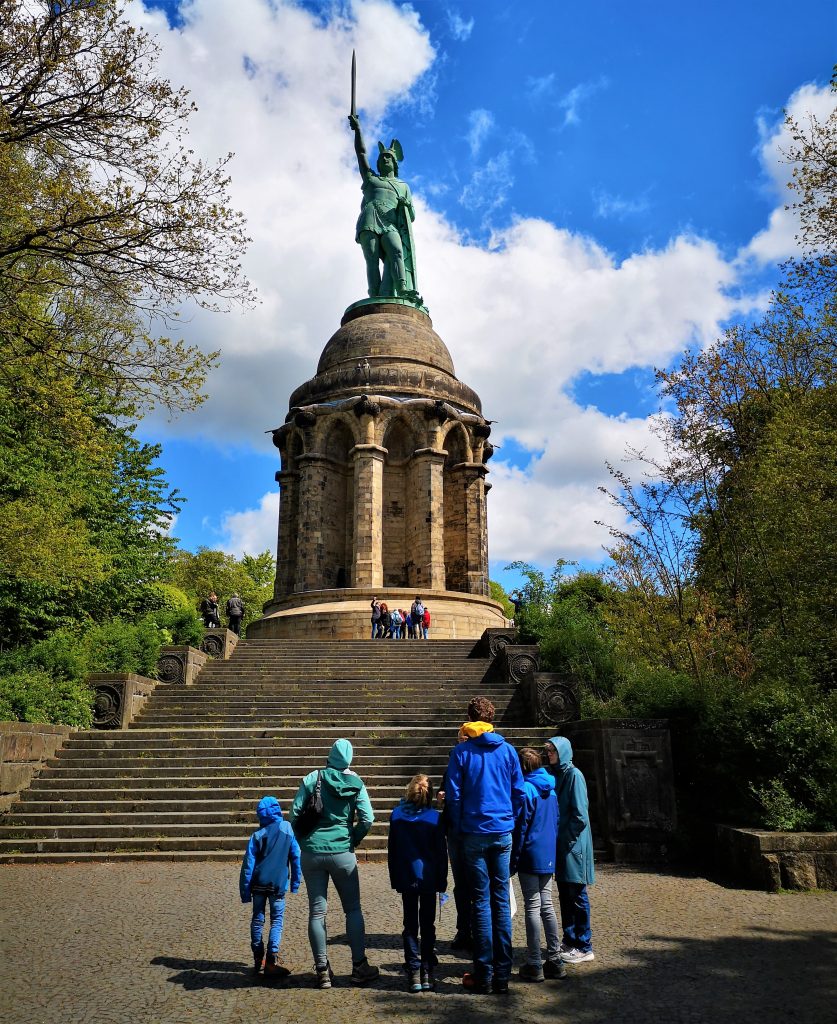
209, 611
417, 614
328, 854
235, 612
485, 797
376, 616
574, 869
425, 622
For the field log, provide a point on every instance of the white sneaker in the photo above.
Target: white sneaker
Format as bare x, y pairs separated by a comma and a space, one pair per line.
576, 956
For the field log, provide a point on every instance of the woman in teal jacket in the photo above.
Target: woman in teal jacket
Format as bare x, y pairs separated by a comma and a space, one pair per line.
328, 853
574, 869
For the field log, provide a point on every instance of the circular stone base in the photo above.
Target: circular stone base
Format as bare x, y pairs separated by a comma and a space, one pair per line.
346, 614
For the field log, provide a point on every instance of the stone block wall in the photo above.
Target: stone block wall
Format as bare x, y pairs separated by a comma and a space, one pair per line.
24, 747
776, 860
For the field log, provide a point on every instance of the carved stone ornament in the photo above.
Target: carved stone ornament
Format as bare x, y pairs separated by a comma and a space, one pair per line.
498, 641
305, 419
482, 430
436, 411
107, 706
366, 407
213, 645
556, 700
487, 451
521, 661
171, 669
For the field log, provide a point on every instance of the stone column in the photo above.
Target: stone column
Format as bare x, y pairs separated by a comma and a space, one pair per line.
476, 529
428, 545
309, 548
367, 547
287, 540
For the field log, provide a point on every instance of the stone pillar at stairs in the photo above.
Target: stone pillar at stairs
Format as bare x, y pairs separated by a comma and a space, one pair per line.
309, 568
429, 545
286, 547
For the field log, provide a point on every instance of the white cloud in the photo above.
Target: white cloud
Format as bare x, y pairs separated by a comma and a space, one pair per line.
480, 123
571, 101
458, 27
610, 206
777, 241
522, 316
254, 530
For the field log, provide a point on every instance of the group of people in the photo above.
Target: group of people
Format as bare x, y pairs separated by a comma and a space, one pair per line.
498, 812
234, 609
399, 623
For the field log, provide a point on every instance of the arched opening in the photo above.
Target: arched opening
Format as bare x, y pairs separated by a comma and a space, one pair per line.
456, 511
337, 508
399, 514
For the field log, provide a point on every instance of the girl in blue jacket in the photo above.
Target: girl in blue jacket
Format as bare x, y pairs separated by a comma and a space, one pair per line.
418, 869
264, 879
533, 856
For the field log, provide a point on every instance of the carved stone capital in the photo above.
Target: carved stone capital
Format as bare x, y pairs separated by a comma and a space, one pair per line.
366, 407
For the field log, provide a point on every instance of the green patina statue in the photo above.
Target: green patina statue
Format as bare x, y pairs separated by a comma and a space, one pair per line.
384, 227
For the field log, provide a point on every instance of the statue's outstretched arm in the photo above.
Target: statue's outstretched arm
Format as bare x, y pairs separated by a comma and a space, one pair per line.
360, 148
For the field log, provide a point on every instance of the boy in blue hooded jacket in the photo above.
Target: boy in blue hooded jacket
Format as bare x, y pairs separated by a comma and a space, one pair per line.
264, 880
533, 857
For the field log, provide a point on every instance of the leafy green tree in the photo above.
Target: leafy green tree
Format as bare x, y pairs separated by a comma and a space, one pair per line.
498, 594
251, 577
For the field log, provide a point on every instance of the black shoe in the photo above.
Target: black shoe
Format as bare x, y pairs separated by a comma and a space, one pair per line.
461, 941
554, 969
500, 988
258, 958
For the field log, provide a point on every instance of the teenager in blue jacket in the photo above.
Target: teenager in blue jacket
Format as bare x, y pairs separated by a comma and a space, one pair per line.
533, 856
574, 869
264, 880
418, 869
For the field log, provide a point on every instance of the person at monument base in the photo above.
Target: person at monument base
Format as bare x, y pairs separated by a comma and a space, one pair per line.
484, 796
235, 612
574, 869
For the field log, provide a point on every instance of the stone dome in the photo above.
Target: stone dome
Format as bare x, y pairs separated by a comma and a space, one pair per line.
385, 348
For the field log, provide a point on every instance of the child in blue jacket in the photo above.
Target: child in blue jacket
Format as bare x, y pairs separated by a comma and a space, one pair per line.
418, 869
264, 880
533, 856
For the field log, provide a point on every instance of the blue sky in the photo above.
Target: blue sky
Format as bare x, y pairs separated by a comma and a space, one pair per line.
598, 188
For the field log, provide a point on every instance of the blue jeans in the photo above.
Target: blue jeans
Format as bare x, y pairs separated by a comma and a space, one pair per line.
575, 915
277, 918
419, 914
487, 858
341, 868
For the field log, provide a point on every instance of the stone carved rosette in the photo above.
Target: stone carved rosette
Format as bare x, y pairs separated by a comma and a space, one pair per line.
171, 667
493, 641
108, 705
552, 699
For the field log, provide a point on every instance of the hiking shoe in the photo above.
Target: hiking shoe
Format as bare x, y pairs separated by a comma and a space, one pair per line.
324, 975
258, 958
471, 983
413, 982
528, 972
577, 956
554, 969
500, 986
428, 982
274, 967
363, 973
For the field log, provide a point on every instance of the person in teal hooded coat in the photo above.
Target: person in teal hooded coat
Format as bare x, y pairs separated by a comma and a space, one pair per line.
574, 869
328, 853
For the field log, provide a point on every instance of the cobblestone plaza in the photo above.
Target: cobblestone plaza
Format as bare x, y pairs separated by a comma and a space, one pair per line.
168, 943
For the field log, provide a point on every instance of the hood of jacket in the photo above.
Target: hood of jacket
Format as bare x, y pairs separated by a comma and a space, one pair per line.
487, 739
541, 780
470, 730
268, 811
341, 754
408, 809
565, 752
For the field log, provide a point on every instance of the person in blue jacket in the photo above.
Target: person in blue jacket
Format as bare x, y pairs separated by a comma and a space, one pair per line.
418, 869
484, 797
574, 869
264, 880
533, 857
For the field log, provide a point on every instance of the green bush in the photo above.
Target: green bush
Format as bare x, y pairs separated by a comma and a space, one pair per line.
184, 625
33, 695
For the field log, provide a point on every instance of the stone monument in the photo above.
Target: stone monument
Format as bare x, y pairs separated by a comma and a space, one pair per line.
383, 454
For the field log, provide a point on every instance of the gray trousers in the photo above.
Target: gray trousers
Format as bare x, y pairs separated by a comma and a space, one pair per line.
538, 909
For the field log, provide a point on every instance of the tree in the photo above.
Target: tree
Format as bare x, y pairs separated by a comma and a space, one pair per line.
106, 217
251, 577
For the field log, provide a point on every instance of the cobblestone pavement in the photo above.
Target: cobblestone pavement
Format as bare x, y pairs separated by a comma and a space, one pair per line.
149, 943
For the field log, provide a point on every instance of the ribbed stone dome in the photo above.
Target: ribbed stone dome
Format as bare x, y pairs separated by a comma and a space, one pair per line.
385, 348
385, 330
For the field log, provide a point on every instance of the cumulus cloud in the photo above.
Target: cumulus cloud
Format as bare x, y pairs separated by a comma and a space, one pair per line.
522, 315
777, 241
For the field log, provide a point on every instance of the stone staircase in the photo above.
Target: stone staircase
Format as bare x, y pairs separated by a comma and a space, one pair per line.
183, 781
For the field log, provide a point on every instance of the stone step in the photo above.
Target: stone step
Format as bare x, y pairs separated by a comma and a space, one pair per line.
85, 758
371, 853
241, 800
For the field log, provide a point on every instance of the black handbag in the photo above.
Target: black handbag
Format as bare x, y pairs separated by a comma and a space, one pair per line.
309, 817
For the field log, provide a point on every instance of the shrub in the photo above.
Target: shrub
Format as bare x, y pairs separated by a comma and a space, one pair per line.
33, 695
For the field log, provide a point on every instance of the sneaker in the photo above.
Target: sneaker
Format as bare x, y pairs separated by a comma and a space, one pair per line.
428, 982
258, 958
577, 956
363, 973
471, 983
324, 975
500, 986
413, 982
274, 967
554, 968
528, 972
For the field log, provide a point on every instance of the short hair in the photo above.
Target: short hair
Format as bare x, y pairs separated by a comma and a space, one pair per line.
481, 710
419, 791
530, 759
